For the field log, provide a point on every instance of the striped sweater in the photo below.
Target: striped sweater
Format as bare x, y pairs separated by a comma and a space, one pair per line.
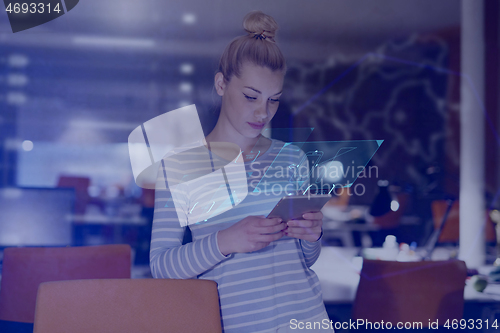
259, 291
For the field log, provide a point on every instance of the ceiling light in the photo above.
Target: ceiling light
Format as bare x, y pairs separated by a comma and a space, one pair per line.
187, 68
16, 98
184, 103
186, 87
113, 42
18, 60
189, 18
394, 205
18, 80
27, 145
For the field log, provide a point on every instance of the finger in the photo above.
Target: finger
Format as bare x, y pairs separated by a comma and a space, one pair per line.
272, 229
305, 234
310, 238
302, 231
269, 238
270, 222
313, 216
304, 223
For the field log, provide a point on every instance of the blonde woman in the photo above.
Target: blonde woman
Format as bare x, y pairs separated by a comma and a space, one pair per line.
261, 265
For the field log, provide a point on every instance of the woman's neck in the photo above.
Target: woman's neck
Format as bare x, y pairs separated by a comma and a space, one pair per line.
220, 134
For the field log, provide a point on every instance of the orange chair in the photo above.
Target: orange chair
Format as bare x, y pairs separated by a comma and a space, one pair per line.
80, 185
451, 230
410, 291
128, 306
25, 268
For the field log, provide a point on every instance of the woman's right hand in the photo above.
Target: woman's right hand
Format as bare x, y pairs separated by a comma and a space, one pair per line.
250, 234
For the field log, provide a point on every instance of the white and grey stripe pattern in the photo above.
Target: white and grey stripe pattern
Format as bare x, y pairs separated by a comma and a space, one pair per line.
259, 291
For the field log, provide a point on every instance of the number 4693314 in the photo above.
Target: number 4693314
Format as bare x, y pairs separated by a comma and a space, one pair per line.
31, 8
470, 324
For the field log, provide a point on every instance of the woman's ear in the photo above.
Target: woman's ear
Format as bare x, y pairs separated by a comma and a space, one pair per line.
220, 83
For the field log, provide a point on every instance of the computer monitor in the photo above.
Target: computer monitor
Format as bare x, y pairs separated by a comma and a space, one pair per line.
36, 216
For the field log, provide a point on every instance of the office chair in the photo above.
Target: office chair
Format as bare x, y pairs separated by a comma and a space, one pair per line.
410, 291
81, 186
25, 268
128, 306
451, 229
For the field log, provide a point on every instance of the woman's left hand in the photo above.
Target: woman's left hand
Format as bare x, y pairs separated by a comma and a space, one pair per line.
307, 229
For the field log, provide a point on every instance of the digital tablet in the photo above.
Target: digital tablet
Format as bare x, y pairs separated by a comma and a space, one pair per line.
294, 206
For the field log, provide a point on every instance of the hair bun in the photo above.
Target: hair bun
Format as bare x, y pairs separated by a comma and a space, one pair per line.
257, 23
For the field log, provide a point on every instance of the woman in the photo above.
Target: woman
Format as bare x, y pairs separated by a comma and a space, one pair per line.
261, 265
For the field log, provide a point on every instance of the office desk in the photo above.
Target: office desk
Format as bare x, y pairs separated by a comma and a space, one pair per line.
338, 273
98, 229
338, 223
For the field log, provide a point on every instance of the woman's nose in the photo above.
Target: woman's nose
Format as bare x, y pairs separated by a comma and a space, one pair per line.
262, 112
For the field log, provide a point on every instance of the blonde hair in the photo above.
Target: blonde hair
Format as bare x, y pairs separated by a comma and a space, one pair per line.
257, 47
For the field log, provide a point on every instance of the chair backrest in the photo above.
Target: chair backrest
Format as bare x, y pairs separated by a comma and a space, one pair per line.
410, 291
128, 305
81, 186
451, 230
25, 268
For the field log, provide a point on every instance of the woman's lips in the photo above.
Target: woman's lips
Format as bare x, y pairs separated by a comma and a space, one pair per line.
257, 125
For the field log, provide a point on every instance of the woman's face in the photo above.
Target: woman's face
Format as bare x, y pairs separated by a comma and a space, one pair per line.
250, 101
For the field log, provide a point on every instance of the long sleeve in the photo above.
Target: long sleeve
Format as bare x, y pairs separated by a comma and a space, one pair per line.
311, 250
259, 291
168, 257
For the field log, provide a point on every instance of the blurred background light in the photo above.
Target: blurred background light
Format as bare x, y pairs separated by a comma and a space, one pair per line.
186, 87
111, 42
394, 205
27, 145
18, 60
94, 191
189, 18
184, 103
187, 68
16, 98
17, 80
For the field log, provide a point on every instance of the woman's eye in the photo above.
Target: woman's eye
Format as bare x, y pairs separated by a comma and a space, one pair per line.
274, 100
250, 98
